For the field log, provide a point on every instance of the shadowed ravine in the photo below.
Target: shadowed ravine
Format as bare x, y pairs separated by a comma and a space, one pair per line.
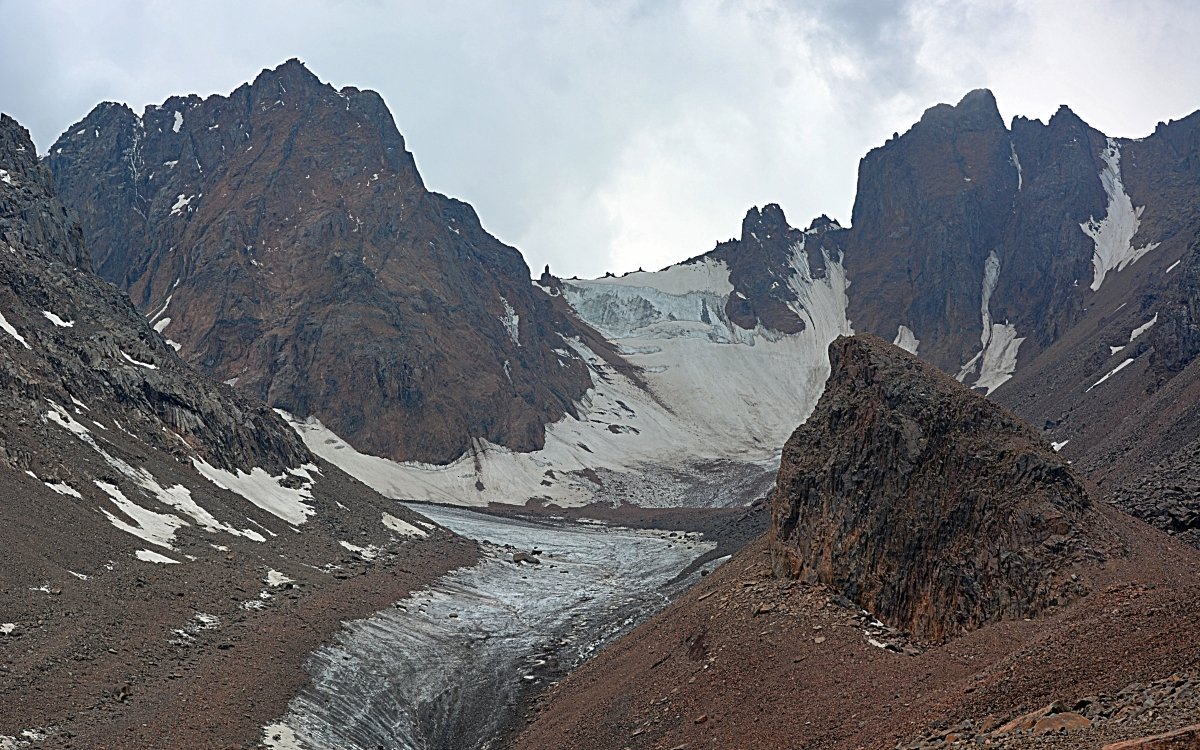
443, 668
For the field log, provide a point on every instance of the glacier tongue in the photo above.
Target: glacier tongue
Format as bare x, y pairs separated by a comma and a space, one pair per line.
712, 396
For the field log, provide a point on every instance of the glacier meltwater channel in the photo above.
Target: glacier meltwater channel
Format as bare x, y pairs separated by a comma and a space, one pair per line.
444, 668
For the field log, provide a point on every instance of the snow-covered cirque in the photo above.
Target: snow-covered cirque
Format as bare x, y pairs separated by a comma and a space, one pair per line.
718, 402
443, 668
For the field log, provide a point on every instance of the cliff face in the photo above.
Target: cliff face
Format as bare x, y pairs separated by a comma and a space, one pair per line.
282, 236
926, 504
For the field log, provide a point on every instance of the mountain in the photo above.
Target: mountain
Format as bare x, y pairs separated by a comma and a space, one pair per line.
1047, 265
964, 592
284, 238
163, 534
927, 505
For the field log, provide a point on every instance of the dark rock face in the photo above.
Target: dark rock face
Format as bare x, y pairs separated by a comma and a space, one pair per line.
935, 203
286, 234
926, 504
100, 351
760, 267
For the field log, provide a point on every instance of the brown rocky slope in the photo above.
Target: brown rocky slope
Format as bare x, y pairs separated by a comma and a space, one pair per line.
144, 603
284, 238
749, 659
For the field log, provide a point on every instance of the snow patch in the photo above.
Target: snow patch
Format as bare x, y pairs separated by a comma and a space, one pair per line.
151, 556
6, 628
510, 320
57, 320
275, 578
1113, 235
266, 491
150, 526
1060, 445
907, 340
1143, 328
997, 358
139, 363
161, 324
181, 202
1111, 372
178, 122
1012, 148
5, 177
1171, 267
402, 527
370, 552
13, 332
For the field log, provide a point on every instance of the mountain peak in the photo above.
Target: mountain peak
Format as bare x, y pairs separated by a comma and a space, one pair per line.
977, 110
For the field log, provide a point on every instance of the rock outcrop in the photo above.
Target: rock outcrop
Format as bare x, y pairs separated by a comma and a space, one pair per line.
284, 238
926, 504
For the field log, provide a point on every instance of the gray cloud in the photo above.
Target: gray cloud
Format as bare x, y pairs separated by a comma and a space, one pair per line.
608, 136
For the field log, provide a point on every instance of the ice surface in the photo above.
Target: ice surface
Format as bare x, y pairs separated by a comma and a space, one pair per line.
146, 555
907, 340
1111, 372
1113, 235
714, 394
441, 668
13, 332
266, 491
57, 320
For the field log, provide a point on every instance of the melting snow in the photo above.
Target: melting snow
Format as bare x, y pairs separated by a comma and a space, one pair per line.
57, 320
1143, 328
1111, 372
264, 490
146, 555
1012, 147
510, 321
139, 363
13, 332
370, 552
181, 203
401, 527
1114, 233
997, 358
907, 340
155, 528
275, 578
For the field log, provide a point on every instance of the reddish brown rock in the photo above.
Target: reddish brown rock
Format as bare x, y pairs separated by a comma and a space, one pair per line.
1182, 739
926, 504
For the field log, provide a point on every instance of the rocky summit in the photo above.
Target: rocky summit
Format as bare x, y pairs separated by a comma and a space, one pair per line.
283, 237
926, 504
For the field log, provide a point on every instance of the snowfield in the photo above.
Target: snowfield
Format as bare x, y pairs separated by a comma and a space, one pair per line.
712, 396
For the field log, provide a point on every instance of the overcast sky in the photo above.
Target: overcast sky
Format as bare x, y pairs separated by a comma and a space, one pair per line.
600, 136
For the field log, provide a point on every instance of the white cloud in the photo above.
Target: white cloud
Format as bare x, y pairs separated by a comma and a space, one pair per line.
607, 136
